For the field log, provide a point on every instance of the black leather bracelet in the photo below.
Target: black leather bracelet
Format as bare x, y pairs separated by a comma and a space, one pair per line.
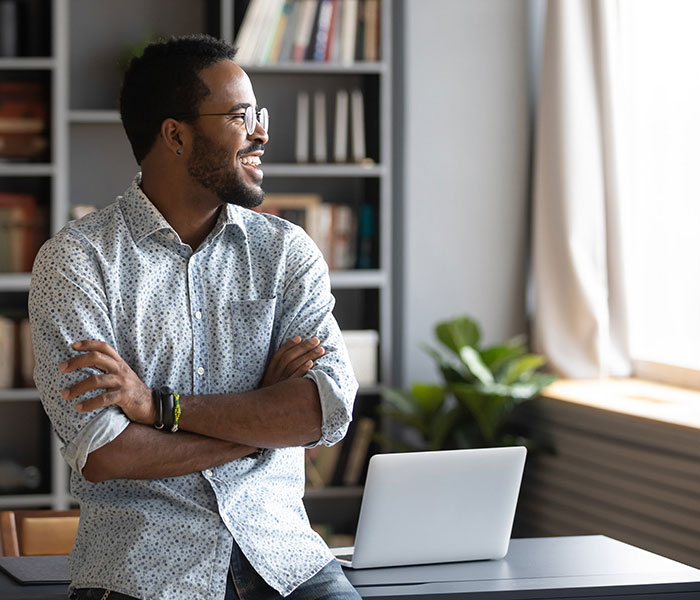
168, 404
158, 403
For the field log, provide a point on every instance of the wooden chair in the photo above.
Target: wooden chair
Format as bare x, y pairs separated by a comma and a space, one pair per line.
38, 532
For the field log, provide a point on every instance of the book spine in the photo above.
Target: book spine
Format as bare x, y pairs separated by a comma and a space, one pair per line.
358, 126
302, 134
320, 133
349, 31
325, 17
340, 137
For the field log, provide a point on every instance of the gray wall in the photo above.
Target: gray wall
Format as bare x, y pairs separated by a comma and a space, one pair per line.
464, 146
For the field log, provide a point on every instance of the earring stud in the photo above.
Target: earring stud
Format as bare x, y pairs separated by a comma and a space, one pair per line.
179, 151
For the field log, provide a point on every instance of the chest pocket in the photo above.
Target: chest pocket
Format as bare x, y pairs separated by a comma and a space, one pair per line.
252, 323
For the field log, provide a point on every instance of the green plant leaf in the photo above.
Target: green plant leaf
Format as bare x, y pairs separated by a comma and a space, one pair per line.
442, 427
429, 398
400, 399
489, 411
470, 357
458, 333
520, 369
496, 357
451, 368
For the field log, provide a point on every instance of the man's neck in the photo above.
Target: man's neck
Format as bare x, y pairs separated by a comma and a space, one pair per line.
192, 213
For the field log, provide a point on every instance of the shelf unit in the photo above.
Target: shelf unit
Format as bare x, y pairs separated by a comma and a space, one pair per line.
84, 119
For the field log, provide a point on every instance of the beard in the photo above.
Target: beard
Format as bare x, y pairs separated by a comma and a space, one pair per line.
211, 165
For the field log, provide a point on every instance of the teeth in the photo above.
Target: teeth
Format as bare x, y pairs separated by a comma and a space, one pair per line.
251, 160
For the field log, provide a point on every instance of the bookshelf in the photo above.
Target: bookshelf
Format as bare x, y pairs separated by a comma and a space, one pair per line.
91, 162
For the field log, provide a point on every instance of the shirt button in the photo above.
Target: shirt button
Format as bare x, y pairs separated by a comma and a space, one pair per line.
200, 371
208, 472
171, 236
198, 315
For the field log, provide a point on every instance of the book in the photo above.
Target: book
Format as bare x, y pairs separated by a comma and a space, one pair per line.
9, 26
359, 448
342, 124
371, 40
359, 49
348, 31
366, 237
8, 352
344, 231
311, 44
304, 29
325, 17
26, 354
273, 55
287, 47
321, 463
320, 133
265, 30
332, 48
12, 237
249, 27
297, 208
23, 119
302, 133
20, 228
357, 106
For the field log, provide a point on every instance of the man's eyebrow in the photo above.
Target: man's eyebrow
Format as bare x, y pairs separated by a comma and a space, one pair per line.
239, 106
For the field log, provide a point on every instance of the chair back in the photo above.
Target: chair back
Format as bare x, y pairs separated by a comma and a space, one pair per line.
38, 532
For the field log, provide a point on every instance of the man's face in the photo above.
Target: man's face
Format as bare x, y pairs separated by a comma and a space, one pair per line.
224, 158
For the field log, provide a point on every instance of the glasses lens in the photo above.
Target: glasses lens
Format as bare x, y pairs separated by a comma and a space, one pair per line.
250, 120
264, 119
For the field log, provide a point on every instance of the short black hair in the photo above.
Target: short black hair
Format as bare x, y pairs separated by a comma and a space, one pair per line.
164, 82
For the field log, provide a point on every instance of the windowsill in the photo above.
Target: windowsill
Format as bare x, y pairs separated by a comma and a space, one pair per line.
634, 397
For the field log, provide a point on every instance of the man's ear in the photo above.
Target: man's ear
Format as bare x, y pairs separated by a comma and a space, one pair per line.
175, 135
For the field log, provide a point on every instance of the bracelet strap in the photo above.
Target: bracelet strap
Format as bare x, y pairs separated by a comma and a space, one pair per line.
177, 411
158, 402
168, 401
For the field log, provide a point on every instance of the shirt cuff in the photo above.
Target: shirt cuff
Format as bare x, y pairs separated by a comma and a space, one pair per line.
99, 432
336, 408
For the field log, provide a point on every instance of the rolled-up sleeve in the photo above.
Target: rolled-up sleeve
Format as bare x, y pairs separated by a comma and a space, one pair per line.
67, 303
307, 312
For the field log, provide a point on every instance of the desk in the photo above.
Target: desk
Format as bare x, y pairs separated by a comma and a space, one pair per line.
584, 568
540, 568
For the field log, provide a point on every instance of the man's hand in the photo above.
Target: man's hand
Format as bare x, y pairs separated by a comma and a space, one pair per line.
293, 359
122, 385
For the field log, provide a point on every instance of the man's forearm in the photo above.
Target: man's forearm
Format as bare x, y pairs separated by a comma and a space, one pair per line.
142, 452
281, 415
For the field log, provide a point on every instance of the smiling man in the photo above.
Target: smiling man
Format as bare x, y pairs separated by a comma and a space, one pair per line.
187, 353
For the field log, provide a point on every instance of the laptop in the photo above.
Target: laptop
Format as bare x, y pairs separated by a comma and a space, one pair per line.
434, 507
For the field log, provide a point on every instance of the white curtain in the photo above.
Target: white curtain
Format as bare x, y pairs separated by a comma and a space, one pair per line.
580, 303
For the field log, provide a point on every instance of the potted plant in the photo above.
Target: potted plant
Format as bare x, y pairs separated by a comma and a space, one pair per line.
473, 406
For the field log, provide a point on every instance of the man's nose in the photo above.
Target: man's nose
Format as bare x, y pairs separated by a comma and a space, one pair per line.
259, 136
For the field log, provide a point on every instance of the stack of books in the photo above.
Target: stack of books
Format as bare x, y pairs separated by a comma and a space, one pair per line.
17, 364
23, 121
335, 31
22, 225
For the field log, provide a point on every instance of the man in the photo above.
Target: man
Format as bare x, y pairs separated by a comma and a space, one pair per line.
178, 305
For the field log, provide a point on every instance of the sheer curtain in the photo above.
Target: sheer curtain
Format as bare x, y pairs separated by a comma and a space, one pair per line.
580, 304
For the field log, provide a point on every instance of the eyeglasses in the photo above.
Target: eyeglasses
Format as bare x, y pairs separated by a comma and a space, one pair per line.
251, 117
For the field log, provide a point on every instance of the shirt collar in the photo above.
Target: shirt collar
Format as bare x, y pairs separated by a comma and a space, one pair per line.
144, 219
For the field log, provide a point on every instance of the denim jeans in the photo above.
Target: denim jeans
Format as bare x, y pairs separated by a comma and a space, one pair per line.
243, 583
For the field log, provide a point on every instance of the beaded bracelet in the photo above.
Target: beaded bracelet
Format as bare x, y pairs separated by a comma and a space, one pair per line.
176, 413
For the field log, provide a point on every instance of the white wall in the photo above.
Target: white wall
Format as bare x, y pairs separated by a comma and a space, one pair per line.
465, 170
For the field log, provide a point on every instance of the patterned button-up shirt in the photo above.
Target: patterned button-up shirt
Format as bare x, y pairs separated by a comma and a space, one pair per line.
202, 322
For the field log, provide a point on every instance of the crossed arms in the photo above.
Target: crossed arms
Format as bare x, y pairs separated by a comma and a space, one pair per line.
215, 429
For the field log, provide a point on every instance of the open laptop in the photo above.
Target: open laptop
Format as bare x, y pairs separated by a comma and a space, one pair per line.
432, 507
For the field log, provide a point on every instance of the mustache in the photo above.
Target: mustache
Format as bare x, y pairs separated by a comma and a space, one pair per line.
253, 148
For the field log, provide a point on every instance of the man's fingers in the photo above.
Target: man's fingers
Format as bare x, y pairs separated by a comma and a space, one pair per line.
308, 356
303, 370
95, 359
93, 382
298, 350
100, 401
99, 346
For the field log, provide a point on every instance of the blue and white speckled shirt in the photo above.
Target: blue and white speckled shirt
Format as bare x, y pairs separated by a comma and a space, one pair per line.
203, 322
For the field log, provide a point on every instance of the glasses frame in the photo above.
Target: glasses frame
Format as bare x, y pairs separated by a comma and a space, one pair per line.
251, 117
